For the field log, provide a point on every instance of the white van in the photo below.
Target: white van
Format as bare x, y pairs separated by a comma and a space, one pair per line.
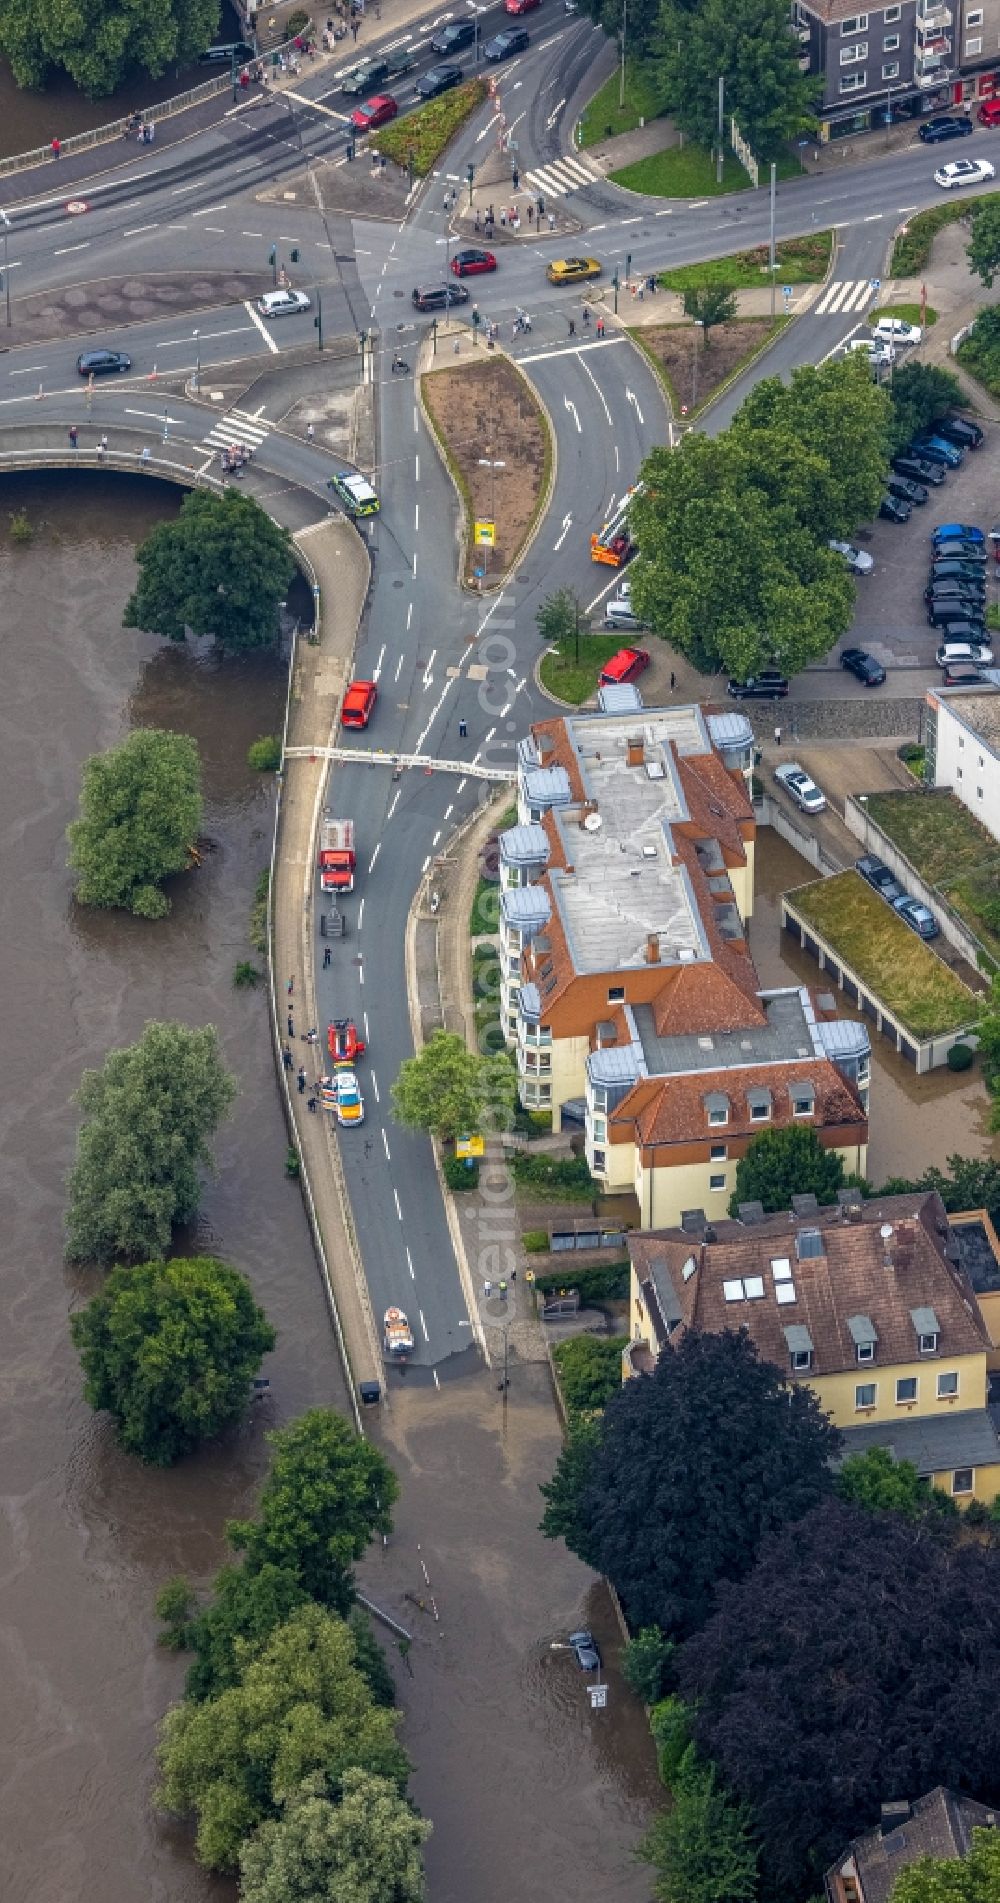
621, 614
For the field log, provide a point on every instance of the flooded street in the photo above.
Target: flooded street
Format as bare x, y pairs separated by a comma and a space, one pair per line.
915, 1120
86, 1535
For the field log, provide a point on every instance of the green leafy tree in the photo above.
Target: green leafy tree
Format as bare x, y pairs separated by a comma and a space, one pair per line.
643, 21
97, 41
327, 1493
170, 1349
747, 42
140, 811
590, 1371
780, 1164
366, 1848
300, 1706
645, 1662
988, 1032
147, 1116
919, 393
974, 1878
563, 1518
220, 569
973, 1182
726, 574
884, 1485
558, 619
710, 304
983, 248
670, 1724
452, 1091
844, 417
245, 1608
701, 1848
712, 1423
979, 353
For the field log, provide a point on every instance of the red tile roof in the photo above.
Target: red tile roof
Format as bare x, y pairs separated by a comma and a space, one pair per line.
677, 1113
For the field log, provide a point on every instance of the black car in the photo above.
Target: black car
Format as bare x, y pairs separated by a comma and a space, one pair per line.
907, 491
863, 666
973, 552
918, 470
400, 62
769, 684
502, 45
102, 363
964, 586
958, 430
878, 875
437, 297
945, 128
954, 626
364, 78
439, 79
450, 38
961, 675
893, 509
954, 568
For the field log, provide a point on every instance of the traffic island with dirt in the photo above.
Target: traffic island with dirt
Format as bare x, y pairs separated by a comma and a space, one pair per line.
496, 441
694, 369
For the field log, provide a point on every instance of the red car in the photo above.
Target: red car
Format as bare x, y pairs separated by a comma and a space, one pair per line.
467, 264
345, 1046
374, 112
521, 6
359, 704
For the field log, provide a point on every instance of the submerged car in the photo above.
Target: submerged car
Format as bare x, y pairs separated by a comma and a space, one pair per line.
588, 1655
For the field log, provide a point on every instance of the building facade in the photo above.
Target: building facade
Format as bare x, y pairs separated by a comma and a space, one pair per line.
629, 993
867, 1302
962, 740
903, 60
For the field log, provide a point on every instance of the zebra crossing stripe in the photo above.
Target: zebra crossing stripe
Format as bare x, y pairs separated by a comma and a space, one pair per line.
851, 294
560, 176
230, 432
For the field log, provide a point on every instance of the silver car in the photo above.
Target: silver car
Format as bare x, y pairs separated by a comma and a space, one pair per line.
800, 787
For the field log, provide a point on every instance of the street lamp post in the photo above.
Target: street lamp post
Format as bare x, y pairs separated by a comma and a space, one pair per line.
486, 462
621, 84
698, 325
6, 268
197, 362
233, 73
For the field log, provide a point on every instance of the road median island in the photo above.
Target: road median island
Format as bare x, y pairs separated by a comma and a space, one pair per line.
693, 371
797, 261
498, 446
420, 137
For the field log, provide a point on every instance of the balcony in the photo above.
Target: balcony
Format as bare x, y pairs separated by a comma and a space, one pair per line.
930, 70
936, 19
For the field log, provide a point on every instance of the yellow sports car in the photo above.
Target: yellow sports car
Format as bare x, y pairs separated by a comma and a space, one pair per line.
571, 270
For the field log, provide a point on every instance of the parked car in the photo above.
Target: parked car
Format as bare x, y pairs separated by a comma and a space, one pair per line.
947, 566
439, 79
894, 509
503, 45
934, 449
964, 172
619, 613
800, 787
913, 492
624, 666
958, 429
451, 38
964, 600
435, 297
769, 684
956, 618
858, 559
961, 552
989, 113
916, 916
572, 270
957, 532
471, 261
374, 112
878, 875
896, 330
879, 355
102, 363
918, 470
863, 666
961, 676
969, 584
588, 1655
934, 131
979, 653
282, 303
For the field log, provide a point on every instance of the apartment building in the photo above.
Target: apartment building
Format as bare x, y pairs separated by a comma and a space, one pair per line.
962, 740
629, 992
867, 1302
908, 59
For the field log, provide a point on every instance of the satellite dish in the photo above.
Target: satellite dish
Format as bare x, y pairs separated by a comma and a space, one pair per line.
886, 1231
593, 823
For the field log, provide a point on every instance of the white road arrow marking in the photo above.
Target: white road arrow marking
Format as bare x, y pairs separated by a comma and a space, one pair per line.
572, 409
557, 545
553, 115
633, 399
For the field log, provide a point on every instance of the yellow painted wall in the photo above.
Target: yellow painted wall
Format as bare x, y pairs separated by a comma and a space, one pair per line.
663, 1193
568, 1076
741, 880
985, 1485
836, 1391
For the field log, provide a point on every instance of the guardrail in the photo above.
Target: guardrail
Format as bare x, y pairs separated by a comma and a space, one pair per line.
131, 462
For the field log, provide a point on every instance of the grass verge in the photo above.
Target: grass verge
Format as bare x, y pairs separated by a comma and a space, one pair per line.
952, 852
912, 249
688, 171
798, 261
862, 930
910, 313
423, 135
484, 918
572, 679
604, 118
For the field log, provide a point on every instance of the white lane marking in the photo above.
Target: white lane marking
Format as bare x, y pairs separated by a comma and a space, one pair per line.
630, 397
427, 669
409, 616
365, 1016
385, 1142
587, 371
377, 669
416, 517
251, 234
557, 545
448, 684
461, 784
65, 249
617, 463
633, 221
217, 231
423, 1324
554, 114
361, 914
436, 1377
591, 605
416, 468
261, 326
114, 185
378, 849
208, 210
873, 218
665, 214
489, 737
409, 1264
572, 350
29, 370
449, 810
395, 1196
571, 407
399, 668
135, 231
393, 805
435, 839
174, 343
375, 1088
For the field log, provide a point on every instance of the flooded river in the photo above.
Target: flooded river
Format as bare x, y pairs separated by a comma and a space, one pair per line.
86, 1535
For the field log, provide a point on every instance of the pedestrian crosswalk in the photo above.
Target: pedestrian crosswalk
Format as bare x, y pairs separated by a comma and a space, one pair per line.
848, 294
237, 430
560, 176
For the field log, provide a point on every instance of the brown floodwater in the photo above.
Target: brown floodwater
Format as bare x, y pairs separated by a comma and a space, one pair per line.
915, 1121
87, 1535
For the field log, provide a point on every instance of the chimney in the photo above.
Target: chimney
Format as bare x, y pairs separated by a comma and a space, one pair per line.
886, 1233
653, 948
635, 752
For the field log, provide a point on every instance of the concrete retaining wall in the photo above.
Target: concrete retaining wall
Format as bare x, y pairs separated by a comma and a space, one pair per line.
769, 812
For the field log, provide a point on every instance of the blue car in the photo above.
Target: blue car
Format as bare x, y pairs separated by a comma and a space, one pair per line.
957, 532
934, 449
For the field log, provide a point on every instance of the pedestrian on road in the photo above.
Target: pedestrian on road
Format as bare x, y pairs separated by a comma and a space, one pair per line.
503, 217
552, 221
503, 1291
673, 680
144, 457
478, 224
291, 1027
600, 327
312, 1105
73, 433
302, 1080
586, 313
777, 736
56, 148
531, 213
310, 432
103, 445
355, 24
291, 984
463, 729
487, 1288
286, 1057
572, 326
515, 178
513, 1275
540, 207
327, 959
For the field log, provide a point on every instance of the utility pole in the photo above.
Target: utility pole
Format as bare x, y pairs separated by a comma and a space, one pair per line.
722, 131
6, 270
772, 264
621, 88
318, 319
